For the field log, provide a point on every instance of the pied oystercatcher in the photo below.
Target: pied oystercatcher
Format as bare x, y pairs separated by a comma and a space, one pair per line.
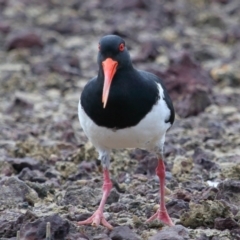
123, 107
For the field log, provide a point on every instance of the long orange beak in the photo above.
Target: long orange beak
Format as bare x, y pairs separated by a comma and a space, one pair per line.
109, 69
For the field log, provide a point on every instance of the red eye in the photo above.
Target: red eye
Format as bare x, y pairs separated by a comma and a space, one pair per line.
99, 47
121, 47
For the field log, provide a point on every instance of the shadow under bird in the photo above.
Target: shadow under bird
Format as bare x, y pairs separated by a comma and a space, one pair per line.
123, 107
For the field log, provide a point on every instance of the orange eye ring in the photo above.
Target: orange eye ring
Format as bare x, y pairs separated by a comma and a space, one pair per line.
121, 47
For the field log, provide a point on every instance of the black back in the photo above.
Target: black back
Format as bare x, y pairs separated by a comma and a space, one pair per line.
132, 95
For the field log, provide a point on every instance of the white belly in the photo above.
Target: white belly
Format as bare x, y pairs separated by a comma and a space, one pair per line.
148, 133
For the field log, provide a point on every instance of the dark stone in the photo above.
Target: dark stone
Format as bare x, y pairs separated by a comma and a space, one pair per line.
235, 233
101, 236
209, 193
183, 194
177, 232
20, 163
225, 223
148, 51
66, 64
188, 84
4, 27
67, 26
196, 185
79, 217
31, 175
23, 39
20, 105
229, 190
41, 189
113, 197
117, 207
203, 236
176, 207
193, 103
80, 174
138, 154
14, 191
123, 233
52, 173
203, 158
216, 129
11, 221
37, 229
77, 236
82, 196
147, 166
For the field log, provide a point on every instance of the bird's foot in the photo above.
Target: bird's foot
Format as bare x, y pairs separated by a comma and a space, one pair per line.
162, 216
96, 219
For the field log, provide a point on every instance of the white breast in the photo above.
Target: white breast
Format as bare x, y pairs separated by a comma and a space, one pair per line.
146, 134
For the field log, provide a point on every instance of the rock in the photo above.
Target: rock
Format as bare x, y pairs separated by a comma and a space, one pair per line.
210, 234
216, 129
182, 166
20, 163
202, 236
84, 196
183, 194
101, 236
79, 236
177, 207
52, 173
148, 51
32, 175
177, 232
138, 154
41, 189
147, 165
20, 105
193, 104
66, 168
6, 169
188, 84
14, 191
11, 221
37, 229
123, 5
225, 223
203, 158
113, 196
205, 213
123, 233
67, 26
209, 193
211, 19
64, 64
4, 27
117, 207
229, 190
226, 74
235, 233
204, 162
23, 39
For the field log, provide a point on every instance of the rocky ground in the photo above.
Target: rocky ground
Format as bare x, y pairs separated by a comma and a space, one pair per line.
48, 170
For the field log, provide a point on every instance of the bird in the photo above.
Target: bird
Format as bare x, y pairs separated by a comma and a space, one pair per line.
123, 107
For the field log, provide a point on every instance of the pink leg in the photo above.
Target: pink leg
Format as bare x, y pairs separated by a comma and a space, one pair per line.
98, 218
161, 213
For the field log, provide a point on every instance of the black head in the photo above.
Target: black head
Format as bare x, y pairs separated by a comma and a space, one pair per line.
113, 56
113, 46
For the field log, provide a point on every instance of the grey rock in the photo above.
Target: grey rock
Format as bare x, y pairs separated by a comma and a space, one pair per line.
123, 233
14, 191
177, 232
